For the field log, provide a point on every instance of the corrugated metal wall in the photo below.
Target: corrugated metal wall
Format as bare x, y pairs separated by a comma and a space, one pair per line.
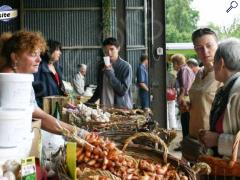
136, 32
77, 24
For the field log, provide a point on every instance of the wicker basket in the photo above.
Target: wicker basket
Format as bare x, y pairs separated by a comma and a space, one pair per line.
117, 122
224, 167
124, 112
90, 174
140, 152
120, 136
136, 152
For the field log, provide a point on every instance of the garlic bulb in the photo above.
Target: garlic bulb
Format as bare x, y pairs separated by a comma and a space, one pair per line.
9, 175
88, 114
10, 165
3, 178
1, 171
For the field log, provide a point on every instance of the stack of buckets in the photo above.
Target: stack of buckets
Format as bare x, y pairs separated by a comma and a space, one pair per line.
15, 115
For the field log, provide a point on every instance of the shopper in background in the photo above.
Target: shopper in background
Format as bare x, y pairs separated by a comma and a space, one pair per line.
185, 78
79, 79
193, 64
48, 79
142, 82
114, 79
171, 101
20, 53
225, 116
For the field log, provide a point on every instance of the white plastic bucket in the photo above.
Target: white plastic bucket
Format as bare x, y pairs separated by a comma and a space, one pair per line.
22, 150
15, 90
15, 127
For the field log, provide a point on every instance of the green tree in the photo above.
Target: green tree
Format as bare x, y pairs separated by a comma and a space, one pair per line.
181, 20
227, 31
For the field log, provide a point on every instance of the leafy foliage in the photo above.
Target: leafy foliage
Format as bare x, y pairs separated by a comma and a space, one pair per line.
106, 18
181, 20
223, 32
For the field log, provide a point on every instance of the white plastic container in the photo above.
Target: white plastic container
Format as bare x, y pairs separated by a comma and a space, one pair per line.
22, 150
15, 127
15, 90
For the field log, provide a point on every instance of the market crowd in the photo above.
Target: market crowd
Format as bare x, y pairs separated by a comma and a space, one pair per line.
208, 96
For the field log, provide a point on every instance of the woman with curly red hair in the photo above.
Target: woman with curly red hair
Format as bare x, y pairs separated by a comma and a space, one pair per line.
20, 53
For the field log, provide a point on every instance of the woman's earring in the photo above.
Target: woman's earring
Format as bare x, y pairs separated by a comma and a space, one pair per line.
14, 66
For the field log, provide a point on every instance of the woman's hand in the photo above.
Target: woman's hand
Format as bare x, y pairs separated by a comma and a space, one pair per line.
184, 105
208, 138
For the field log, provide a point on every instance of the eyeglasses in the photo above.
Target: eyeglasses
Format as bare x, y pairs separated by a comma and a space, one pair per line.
200, 48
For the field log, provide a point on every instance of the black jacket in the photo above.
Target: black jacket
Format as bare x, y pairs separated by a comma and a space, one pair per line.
45, 83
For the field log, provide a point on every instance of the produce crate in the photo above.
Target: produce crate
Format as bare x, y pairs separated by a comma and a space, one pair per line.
50, 102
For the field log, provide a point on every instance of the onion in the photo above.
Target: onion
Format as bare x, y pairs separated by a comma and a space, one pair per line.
88, 153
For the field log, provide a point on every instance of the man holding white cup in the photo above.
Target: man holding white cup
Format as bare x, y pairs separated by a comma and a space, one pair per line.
107, 60
114, 79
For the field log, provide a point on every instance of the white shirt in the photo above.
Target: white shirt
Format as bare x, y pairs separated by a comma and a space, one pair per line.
79, 83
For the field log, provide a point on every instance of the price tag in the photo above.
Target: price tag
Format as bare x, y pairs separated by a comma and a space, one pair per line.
28, 169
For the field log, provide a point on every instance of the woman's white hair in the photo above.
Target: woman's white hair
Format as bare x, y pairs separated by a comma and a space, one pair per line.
229, 50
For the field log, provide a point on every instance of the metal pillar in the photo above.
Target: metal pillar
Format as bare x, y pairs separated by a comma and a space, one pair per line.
157, 54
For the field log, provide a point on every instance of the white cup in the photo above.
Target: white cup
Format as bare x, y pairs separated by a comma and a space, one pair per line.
106, 60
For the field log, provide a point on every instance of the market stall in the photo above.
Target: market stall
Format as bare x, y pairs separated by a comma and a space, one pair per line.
121, 144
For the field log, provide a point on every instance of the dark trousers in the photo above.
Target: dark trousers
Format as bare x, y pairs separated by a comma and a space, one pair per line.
185, 123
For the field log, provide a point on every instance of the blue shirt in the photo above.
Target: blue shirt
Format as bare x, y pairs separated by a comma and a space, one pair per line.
142, 74
142, 77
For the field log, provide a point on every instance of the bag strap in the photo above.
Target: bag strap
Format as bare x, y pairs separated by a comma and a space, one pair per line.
220, 103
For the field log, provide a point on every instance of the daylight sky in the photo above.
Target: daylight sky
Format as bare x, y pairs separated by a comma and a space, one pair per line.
215, 11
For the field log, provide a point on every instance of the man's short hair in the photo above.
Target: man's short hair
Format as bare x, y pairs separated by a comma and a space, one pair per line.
201, 32
111, 41
143, 57
193, 62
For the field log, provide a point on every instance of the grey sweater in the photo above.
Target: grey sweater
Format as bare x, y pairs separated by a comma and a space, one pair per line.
121, 79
